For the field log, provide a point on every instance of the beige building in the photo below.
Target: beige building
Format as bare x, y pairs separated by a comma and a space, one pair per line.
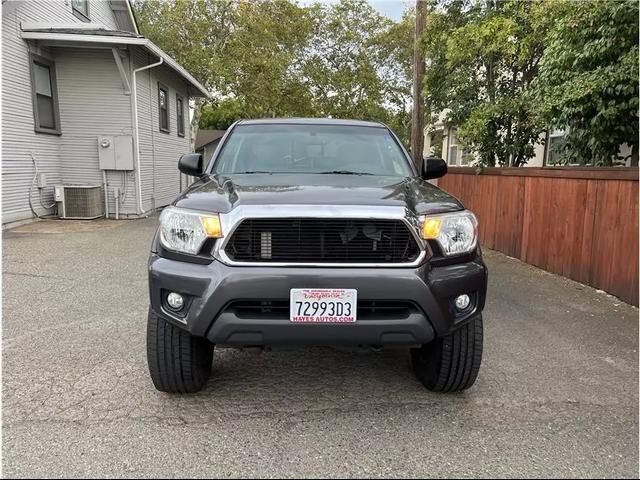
443, 141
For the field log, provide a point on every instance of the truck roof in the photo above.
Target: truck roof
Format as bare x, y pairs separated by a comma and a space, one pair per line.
311, 121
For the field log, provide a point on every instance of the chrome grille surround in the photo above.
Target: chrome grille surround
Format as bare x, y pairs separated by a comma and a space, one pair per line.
230, 222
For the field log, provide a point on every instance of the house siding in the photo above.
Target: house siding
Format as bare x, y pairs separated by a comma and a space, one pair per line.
58, 11
92, 104
168, 146
159, 151
145, 125
19, 141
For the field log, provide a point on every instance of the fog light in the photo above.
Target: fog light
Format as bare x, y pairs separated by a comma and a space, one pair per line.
462, 302
175, 301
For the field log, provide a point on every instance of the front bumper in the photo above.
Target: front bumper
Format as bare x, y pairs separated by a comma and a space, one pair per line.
211, 288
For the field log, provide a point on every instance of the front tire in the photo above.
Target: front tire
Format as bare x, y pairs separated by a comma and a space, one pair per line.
451, 363
178, 362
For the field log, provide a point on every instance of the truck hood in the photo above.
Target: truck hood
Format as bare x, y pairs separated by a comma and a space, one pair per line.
223, 193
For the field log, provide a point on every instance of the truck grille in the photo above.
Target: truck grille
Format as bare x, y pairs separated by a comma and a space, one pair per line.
322, 240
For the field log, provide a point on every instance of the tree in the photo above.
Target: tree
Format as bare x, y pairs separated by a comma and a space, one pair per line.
195, 33
482, 58
275, 58
395, 57
417, 117
220, 114
341, 67
588, 83
263, 58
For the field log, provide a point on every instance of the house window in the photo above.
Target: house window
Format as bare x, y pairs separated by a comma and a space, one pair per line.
556, 147
452, 156
44, 94
180, 115
80, 9
163, 107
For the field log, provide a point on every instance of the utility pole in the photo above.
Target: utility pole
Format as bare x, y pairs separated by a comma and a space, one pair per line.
417, 120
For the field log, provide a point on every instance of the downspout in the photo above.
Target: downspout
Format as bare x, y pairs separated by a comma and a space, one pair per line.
134, 99
106, 194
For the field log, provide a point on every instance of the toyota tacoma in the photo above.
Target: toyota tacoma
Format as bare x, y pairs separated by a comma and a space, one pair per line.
314, 232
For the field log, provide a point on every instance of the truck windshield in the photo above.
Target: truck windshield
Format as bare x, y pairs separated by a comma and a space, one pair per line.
320, 149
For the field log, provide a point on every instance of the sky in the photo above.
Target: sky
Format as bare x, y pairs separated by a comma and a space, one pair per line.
390, 8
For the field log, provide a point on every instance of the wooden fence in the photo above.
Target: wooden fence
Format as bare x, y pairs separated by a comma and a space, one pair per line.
578, 222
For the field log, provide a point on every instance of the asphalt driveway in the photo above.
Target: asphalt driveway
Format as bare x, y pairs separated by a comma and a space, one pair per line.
557, 394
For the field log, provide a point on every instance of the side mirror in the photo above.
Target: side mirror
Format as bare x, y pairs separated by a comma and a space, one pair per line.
191, 164
433, 167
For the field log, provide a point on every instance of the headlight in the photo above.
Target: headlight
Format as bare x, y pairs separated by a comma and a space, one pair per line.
456, 233
185, 230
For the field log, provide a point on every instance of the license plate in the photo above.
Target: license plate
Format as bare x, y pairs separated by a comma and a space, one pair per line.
323, 305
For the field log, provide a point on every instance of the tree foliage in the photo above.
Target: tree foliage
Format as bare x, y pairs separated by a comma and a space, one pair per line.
482, 57
588, 83
262, 58
219, 114
395, 56
276, 58
195, 33
505, 71
502, 71
341, 62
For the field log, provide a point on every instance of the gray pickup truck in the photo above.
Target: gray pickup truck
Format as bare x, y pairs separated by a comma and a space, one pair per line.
314, 232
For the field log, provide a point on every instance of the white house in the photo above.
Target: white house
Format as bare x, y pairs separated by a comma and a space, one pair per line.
89, 101
443, 139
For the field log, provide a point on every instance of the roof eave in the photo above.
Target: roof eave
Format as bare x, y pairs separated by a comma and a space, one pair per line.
201, 91
153, 48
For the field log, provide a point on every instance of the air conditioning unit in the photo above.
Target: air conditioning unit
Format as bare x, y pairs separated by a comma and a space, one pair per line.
79, 202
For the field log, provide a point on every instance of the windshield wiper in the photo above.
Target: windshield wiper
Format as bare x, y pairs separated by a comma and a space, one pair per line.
344, 172
332, 172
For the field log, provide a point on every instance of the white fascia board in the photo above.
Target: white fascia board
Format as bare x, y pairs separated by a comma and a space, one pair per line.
81, 38
77, 26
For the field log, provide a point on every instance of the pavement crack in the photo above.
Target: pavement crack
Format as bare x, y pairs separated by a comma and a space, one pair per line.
29, 275
295, 417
